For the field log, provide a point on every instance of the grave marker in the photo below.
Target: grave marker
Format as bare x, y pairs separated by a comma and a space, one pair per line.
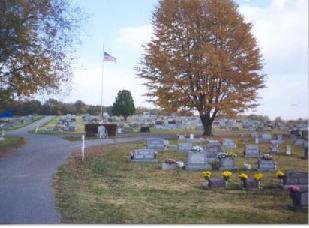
251, 151
155, 143
197, 160
144, 155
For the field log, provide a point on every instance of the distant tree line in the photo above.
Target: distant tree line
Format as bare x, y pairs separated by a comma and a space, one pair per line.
55, 107
51, 107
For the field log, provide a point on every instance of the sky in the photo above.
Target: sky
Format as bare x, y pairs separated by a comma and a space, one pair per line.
122, 26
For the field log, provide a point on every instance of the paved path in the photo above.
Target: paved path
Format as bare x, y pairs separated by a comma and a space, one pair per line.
26, 176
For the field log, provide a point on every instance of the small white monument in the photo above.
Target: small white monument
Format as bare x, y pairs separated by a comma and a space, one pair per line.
288, 150
102, 132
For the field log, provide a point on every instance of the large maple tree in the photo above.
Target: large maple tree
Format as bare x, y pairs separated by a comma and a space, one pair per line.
202, 57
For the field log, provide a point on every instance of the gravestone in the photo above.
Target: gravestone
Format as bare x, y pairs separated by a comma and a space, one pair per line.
251, 183
227, 163
251, 151
155, 143
214, 183
299, 142
144, 155
256, 140
274, 148
212, 150
102, 132
299, 199
197, 160
295, 178
265, 137
168, 166
181, 137
184, 147
266, 165
288, 150
229, 144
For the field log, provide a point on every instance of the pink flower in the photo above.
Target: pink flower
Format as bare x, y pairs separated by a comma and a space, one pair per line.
294, 188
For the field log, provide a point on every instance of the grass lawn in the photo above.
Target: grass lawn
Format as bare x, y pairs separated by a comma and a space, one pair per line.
107, 188
48, 128
26, 123
10, 142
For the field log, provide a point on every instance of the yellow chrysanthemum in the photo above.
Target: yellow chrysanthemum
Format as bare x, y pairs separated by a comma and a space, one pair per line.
243, 176
280, 174
258, 176
227, 174
206, 174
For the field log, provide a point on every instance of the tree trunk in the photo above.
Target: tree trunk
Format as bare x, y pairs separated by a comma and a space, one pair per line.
207, 125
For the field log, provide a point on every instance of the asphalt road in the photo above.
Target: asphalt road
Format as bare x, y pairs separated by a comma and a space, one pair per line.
26, 175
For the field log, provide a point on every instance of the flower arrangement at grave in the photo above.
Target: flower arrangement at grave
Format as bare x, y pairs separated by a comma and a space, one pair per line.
206, 175
280, 175
267, 157
170, 161
226, 154
258, 177
197, 148
226, 176
243, 177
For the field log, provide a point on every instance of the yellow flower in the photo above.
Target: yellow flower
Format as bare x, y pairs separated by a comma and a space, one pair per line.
280, 174
227, 174
258, 176
206, 174
243, 176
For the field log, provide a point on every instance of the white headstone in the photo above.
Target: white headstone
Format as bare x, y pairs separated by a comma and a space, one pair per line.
102, 132
191, 136
256, 140
288, 150
36, 129
3, 133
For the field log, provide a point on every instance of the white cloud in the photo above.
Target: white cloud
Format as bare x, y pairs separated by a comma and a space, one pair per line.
282, 33
134, 37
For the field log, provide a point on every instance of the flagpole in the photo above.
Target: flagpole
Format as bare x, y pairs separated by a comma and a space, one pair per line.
102, 86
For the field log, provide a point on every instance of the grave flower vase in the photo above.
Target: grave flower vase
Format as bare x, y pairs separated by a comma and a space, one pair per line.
244, 184
226, 183
259, 184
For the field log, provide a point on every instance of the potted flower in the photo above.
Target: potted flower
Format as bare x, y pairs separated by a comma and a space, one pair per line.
207, 175
169, 164
170, 161
280, 175
226, 176
258, 177
243, 177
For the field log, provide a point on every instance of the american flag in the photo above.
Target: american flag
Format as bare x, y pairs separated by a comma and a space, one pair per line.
108, 57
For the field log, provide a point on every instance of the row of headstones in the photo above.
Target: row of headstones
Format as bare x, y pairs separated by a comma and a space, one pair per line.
291, 179
196, 160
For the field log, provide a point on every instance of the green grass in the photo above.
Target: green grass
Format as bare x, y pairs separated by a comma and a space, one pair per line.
26, 123
48, 128
107, 188
10, 142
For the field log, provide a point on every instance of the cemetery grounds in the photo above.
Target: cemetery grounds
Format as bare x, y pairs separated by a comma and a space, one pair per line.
107, 188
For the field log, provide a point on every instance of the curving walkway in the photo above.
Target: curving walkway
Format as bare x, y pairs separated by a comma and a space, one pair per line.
26, 176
